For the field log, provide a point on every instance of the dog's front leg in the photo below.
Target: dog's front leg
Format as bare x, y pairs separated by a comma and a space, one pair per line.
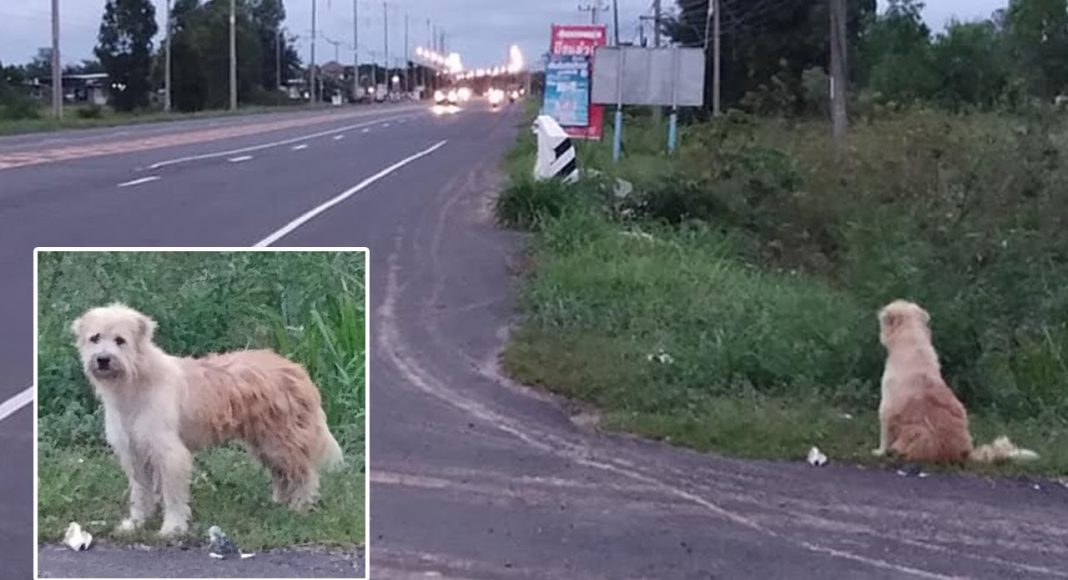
142, 493
175, 465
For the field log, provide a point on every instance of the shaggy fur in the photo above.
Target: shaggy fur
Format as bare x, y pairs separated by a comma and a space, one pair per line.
920, 418
159, 409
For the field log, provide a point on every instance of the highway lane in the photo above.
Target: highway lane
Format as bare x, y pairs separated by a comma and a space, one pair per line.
473, 476
204, 201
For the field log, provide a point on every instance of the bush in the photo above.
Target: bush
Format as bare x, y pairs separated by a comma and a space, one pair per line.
526, 203
15, 106
92, 111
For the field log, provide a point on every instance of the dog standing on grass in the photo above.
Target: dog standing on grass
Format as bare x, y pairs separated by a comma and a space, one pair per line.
159, 409
919, 416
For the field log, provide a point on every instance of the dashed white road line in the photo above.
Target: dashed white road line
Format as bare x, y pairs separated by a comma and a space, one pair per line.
240, 159
384, 125
299, 139
311, 214
300, 147
8, 407
139, 181
338, 137
366, 131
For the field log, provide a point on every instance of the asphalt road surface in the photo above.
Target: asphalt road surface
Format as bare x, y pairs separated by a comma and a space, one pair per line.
473, 476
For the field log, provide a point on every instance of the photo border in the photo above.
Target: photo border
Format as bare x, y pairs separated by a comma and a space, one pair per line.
226, 249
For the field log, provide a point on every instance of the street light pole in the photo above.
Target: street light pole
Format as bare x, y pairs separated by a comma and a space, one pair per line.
57, 72
311, 67
355, 48
233, 55
385, 41
167, 63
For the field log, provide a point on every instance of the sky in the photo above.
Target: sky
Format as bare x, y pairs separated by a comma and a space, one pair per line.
480, 30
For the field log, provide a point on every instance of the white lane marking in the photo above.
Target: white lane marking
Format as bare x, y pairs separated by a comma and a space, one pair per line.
8, 407
366, 131
311, 214
384, 125
300, 147
338, 137
139, 181
265, 145
240, 159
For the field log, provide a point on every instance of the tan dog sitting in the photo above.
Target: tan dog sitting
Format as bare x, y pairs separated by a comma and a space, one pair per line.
920, 418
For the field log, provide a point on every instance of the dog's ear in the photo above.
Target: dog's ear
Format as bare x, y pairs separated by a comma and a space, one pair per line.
890, 320
76, 329
146, 327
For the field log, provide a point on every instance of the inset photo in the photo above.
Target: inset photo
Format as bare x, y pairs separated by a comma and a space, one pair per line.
201, 413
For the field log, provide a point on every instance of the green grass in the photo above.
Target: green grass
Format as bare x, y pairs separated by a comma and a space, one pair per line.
109, 118
757, 264
308, 306
86, 485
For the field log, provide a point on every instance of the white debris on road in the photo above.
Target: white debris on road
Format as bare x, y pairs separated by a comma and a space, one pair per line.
816, 458
76, 538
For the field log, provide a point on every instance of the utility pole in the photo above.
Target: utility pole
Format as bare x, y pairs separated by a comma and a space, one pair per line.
712, 20
385, 36
657, 15
658, 112
278, 40
593, 9
57, 71
839, 115
407, 63
311, 67
167, 62
233, 55
615, 19
355, 48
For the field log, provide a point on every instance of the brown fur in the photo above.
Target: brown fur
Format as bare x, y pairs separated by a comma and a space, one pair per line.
920, 417
159, 409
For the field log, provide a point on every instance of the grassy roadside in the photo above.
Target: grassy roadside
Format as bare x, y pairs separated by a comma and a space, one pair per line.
108, 118
697, 313
308, 306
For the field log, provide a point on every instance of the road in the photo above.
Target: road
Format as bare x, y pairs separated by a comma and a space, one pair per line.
473, 476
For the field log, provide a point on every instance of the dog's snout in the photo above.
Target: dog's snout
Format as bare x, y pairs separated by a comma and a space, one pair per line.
103, 362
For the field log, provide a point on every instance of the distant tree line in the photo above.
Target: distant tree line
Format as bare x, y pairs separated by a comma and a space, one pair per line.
775, 54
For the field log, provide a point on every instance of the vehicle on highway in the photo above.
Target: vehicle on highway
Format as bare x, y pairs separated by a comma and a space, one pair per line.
450, 97
495, 97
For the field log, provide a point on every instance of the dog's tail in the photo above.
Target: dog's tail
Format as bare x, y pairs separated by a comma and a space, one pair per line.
1002, 449
330, 454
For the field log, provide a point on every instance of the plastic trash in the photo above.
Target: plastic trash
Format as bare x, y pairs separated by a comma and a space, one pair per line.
76, 538
816, 458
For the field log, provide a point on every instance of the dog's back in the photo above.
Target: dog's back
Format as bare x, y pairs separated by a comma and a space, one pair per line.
930, 424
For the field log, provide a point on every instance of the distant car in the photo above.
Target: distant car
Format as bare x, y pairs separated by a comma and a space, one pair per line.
513, 96
495, 97
446, 98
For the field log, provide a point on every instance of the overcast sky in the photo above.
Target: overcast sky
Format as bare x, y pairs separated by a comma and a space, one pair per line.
480, 30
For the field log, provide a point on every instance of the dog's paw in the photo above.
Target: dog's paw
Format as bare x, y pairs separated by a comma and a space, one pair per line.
127, 526
172, 528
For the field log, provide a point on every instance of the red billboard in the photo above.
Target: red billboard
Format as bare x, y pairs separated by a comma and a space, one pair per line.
568, 40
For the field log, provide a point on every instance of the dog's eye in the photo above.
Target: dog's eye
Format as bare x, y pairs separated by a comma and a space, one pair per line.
95, 338
120, 340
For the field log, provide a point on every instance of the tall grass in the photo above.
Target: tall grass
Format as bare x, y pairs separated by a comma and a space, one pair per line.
769, 258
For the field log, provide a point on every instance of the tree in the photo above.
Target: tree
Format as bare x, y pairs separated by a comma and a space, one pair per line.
125, 51
1037, 35
969, 62
766, 51
897, 54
